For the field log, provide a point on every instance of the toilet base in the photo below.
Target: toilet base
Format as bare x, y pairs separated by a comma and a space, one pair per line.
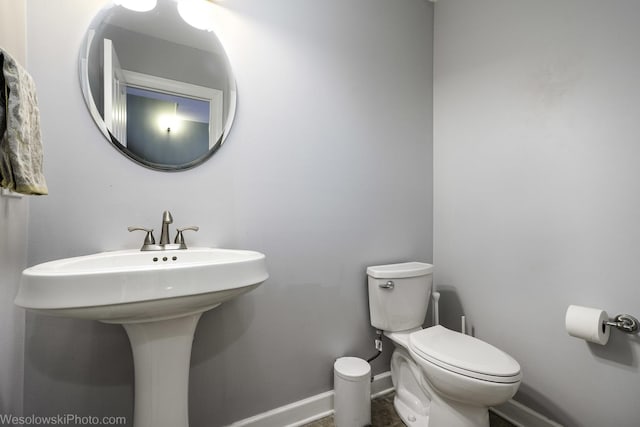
419, 406
408, 416
449, 413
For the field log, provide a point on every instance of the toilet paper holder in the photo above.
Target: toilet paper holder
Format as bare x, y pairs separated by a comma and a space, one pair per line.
625, 323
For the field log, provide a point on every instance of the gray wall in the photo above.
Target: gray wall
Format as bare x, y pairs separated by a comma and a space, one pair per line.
13, 240
13, 259
537, 190
326, 170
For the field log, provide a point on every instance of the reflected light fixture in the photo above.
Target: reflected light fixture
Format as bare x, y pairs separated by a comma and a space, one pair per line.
137, 5
169, 123
197, 13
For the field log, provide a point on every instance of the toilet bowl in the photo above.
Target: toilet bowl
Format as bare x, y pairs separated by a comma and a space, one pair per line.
442, 378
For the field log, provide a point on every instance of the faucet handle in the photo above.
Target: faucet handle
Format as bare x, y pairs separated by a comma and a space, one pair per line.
148, 239
180, 238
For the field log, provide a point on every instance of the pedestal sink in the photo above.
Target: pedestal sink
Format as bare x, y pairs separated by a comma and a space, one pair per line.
158, 297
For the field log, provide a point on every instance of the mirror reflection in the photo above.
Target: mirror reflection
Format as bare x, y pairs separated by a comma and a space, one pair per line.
158, 86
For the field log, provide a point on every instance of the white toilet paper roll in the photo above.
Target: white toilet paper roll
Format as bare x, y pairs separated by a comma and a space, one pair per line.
587, 323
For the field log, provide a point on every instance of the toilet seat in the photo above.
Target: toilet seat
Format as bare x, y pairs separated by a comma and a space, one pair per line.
464, 355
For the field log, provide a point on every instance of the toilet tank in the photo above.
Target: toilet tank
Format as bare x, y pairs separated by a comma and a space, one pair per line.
399, 295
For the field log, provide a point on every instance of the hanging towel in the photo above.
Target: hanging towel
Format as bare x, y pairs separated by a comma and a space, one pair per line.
20, 137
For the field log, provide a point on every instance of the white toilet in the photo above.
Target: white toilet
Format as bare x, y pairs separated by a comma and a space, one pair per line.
442, 378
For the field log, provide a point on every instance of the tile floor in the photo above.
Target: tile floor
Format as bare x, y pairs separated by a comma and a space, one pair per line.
384, 415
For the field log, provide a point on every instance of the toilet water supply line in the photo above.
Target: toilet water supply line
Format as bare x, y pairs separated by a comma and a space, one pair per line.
436, 321
378, 342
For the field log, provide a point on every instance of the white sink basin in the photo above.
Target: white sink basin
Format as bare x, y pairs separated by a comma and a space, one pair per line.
131, 286
158, 296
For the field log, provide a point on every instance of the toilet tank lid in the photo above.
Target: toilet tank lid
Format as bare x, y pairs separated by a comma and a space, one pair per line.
399, 271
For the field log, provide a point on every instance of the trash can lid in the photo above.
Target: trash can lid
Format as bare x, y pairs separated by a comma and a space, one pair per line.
352, 368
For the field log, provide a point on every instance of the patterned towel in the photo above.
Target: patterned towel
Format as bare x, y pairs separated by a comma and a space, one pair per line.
20, 138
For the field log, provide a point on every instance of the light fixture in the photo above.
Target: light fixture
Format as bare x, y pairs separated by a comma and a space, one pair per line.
137, 5
197, 13
169, 123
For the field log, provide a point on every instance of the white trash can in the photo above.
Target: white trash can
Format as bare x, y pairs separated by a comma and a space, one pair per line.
352, 386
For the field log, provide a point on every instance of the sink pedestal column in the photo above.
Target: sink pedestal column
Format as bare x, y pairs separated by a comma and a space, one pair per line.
161, 358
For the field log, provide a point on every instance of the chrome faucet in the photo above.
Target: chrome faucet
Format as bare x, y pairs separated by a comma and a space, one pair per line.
150, 242
166, 220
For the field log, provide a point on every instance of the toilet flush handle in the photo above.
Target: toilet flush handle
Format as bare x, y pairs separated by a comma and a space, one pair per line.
388, 285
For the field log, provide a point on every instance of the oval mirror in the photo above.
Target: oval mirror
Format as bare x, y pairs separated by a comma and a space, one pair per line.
160, 89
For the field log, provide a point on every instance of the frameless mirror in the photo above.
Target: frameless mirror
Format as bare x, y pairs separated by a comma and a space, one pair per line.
160, 89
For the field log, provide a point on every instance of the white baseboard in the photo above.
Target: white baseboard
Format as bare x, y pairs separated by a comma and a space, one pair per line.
313, 408
523, 416
310, 409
